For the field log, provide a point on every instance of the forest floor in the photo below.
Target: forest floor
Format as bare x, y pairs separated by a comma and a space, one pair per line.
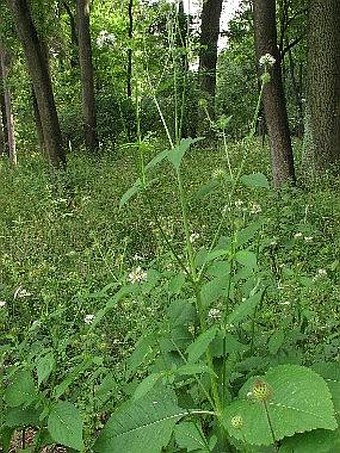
65, 252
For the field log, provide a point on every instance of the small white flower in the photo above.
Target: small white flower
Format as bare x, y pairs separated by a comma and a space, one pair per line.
3, 303
267, 60
137, 257
238, 204
105, 39
214, 313
20, 292
298, 235
225, 209
255, 209
286, 302
308, 238
138, 275
193, 237
89, 319
218, 173
322, 272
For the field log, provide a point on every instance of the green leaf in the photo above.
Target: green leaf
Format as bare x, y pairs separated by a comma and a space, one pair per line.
193, 369
74, 374
176, 283
295, 398
246, 234
21, 391
255, 180
213, 290
175, 155
317, 441
156, 160
207, 189
130, 193
190, 437
146, 385
201, 344
146, 424
65, 425
21, 417
143, 349
45, 366
6, 434
245, 308
276, 341
246, 258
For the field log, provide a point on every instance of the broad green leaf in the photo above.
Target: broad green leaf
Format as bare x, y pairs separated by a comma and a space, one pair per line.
21, 417
6, 434
65, 425
143, 349
193, 369
176, 154
146, 385
45, 366
247, 233
190, 437
295, 398
131, 192
156, 160
112, 302
246, 258
74, 374
213, 290
207, 189
143, 425
176, 283
245, 309
201, 344
276, 341
181, 313
317, 441
330, 371
21, 391
255, 180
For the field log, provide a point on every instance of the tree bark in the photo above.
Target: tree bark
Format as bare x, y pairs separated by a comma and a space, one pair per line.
129, 63
9, 117
38, 68
3, 133
87, 79
210, 28
322, 140
273, 96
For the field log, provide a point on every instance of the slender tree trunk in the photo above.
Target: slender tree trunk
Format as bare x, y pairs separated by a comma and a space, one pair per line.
3, 132
273, 97
38, 68
322, 122
38, 123
9, 117
74, 35
210, 28
129, 63
87, 79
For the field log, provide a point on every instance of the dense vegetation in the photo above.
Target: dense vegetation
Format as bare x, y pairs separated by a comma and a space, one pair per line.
156, 293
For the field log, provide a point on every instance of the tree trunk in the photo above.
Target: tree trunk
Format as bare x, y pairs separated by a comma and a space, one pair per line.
74, 61
273, 96
38, 123
210, 28
8, 117
87, 79
3, 133
38, 68
129, 63
322, 140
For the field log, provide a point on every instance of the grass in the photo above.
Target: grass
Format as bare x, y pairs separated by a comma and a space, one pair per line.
71, 253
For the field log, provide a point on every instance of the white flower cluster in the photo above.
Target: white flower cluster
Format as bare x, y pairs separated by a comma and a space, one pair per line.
138, 275
214, 313
2, 304
255, 209
89, 319
299, 235
193, 237
21, 292
105, 39
267, 60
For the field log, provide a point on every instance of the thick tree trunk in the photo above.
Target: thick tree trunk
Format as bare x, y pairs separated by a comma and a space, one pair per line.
322, 139
273, 96
87, 79
74, 61
210, 28
38, 68
9, 117
38, 123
